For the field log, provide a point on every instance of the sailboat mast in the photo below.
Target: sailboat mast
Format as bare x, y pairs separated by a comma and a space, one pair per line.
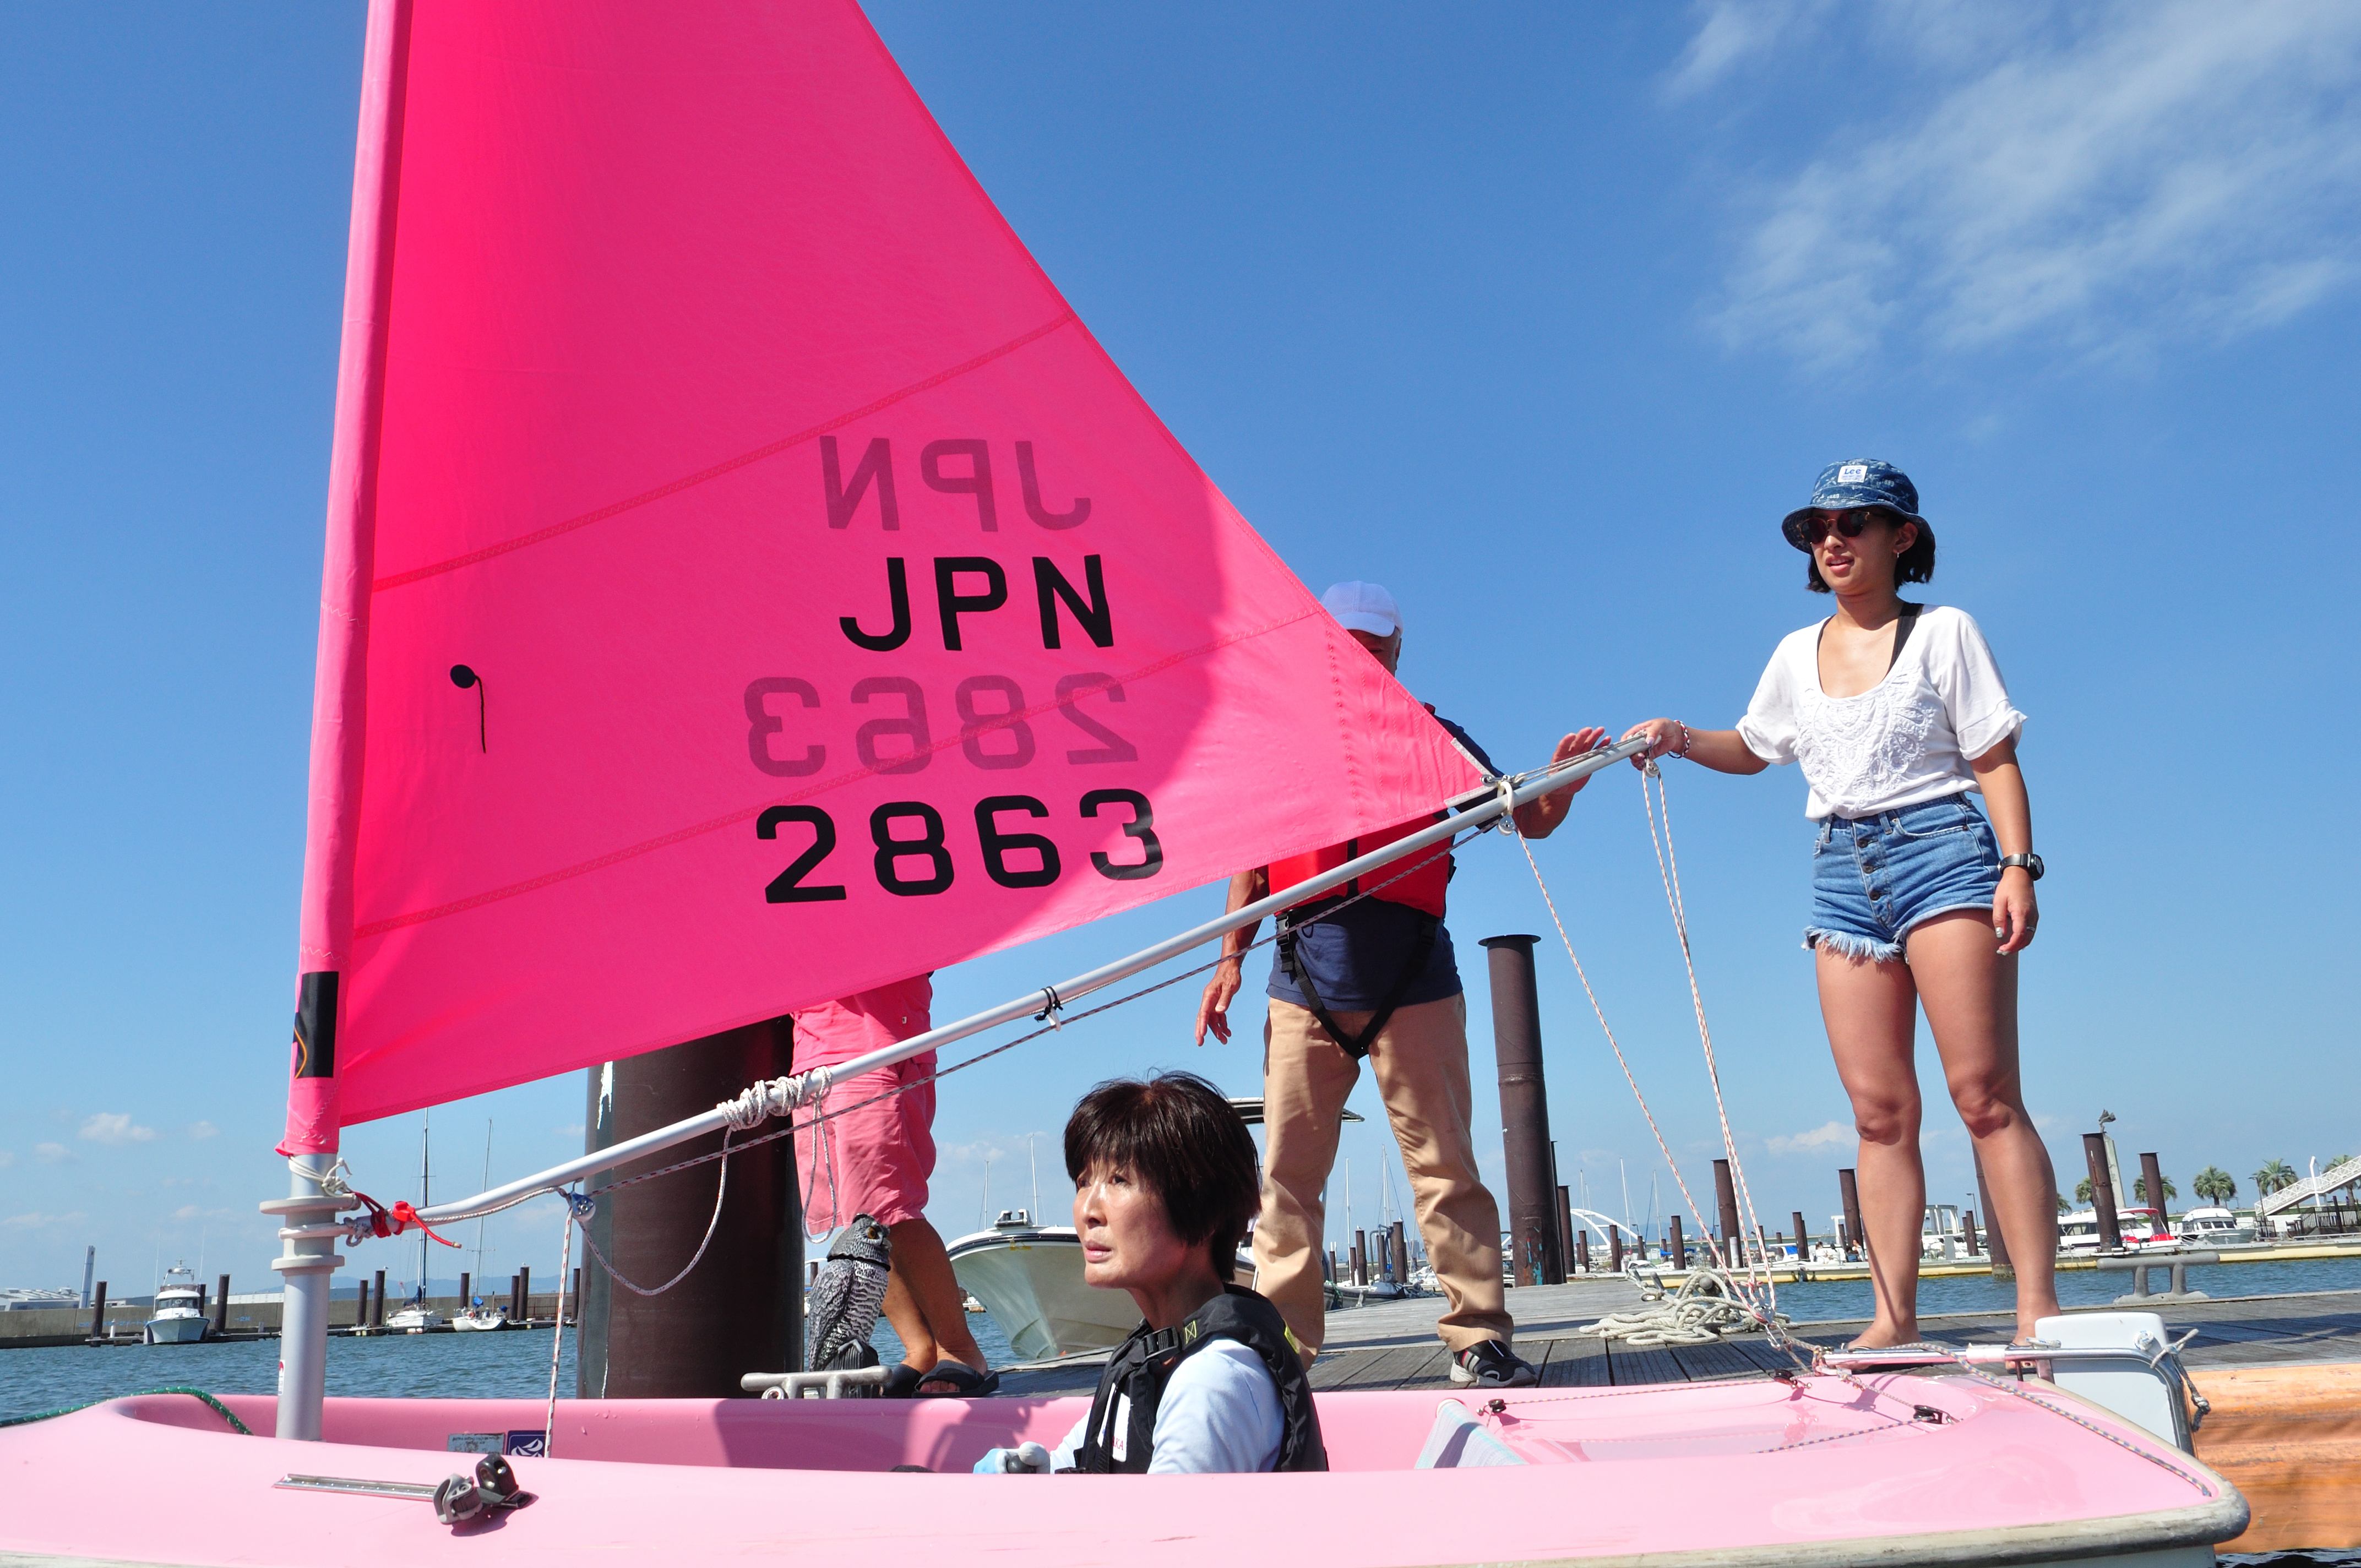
424, 1134
480, 1218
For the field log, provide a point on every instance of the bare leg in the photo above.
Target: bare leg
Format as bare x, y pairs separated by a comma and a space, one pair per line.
924, 1301
1871, 1012
1970, 992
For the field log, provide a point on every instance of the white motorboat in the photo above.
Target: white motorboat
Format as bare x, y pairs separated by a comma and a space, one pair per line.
1029, 1278
477, 1318
179, 1314
2213, 1227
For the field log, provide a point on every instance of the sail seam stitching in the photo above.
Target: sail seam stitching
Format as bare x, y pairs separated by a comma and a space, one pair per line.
747, 814
728, 466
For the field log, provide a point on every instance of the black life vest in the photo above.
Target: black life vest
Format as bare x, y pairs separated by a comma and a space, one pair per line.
1144, 1364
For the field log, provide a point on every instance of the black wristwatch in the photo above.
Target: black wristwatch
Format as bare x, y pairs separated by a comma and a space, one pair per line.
2030, 860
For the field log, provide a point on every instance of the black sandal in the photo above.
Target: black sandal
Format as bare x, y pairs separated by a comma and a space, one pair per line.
966, 1382
902, 1382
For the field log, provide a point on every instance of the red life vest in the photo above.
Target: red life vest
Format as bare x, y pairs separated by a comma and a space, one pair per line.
1421, 885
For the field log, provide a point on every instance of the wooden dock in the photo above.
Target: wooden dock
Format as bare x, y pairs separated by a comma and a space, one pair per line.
1392, 1345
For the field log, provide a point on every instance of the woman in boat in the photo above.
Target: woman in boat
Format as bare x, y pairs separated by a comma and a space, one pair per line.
1897, 713
1211, 1380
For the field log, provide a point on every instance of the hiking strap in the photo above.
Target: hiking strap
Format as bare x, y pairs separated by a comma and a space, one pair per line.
1356, 1046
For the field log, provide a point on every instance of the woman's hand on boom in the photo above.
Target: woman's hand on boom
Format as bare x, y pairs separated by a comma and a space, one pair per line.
1664, 735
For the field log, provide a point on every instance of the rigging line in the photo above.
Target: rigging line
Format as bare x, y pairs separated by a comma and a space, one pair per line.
829, 1116
721, 1192
558, 1338
1613, 1044
1668, 871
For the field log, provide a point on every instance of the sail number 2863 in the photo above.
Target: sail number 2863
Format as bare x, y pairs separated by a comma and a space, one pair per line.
913, 854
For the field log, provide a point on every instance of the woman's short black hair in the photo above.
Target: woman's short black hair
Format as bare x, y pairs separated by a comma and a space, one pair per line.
1176, 1133
1917, 565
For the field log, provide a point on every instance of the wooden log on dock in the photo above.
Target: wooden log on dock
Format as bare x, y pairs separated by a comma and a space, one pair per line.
2289, 1439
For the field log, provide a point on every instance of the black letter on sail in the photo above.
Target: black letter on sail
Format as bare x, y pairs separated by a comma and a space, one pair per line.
1097, 617
955, 603
897, 583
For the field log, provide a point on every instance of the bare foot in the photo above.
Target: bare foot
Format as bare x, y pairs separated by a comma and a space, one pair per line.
1879, 1336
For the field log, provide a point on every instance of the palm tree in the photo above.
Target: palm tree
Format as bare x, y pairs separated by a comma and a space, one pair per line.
2215, 1185
2274, 1174
2139, 1191
2082, 1193
2064, 1206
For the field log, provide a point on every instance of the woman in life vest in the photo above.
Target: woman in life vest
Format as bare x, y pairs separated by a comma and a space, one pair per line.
1897, 713
1210, 1381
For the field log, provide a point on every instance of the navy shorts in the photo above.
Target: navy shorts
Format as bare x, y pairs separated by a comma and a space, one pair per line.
1874, 878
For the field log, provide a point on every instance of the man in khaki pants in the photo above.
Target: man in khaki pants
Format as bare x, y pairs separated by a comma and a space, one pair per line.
1375, 978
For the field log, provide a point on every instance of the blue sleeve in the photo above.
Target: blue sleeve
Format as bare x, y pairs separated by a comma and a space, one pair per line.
1468, 743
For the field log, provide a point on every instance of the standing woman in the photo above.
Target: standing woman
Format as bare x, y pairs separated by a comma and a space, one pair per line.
1897, 713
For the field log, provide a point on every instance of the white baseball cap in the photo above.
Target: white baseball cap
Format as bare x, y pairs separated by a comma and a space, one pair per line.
1363, 606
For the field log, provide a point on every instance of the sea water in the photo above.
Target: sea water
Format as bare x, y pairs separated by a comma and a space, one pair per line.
1840, 1301
506, 1364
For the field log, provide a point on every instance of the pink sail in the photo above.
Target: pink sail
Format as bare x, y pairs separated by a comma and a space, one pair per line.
830, 607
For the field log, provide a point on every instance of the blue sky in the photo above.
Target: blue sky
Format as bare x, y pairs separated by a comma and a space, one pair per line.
1542, 316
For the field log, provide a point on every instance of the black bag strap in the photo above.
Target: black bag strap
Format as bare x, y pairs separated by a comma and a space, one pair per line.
1356, 1046
1902, 631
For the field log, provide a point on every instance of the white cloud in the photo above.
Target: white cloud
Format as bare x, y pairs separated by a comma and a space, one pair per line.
1827, 1135
207, 1130
2100, 178
8, 1158
34, 1222
52, 1154
187, 1211
114, 1127
1729, 34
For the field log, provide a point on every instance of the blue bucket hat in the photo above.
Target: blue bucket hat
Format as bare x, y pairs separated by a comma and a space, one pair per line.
1857, 482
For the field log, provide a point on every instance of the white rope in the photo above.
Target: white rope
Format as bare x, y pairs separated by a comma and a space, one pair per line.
1668, 871
1613, 1044
776, 1097
1756, 1311
558, 1338
720, 1190
1709, 1305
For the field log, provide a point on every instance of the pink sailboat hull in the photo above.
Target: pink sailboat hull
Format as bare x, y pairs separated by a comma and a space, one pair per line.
1893, 1468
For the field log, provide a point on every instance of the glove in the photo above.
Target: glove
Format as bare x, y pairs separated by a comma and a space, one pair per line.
1025, 1459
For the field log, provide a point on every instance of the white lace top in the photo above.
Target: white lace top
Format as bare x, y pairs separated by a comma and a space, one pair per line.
1906, 739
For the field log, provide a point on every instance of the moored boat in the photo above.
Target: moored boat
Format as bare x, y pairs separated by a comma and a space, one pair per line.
178, 1316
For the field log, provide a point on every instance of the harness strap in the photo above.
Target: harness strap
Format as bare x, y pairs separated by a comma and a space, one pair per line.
1356, 1046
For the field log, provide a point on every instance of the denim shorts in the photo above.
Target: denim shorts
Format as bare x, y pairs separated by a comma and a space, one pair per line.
1873, 878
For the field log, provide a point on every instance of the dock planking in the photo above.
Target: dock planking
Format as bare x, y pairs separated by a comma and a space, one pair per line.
1392, 1347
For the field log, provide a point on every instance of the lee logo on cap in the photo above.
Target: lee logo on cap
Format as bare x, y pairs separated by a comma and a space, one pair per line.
1853, 474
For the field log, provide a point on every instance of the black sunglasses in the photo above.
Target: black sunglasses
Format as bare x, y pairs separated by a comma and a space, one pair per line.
1849, 524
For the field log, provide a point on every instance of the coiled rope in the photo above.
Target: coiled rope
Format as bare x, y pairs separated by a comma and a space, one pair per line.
1706, 1307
